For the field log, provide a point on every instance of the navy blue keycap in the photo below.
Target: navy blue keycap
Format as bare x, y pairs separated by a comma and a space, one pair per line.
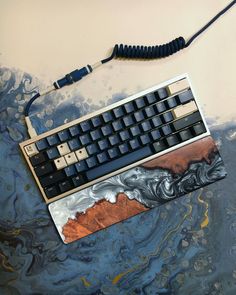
128, 121
78, 180
85, 139
85, 126
139, 116
103, 144
171, 102
166, 130
172, 140
149, 111
96, 134
74, 130
160, 146
102, 157
118, 112
91, 162
135, 130
42, 144
155, 134
160, 107
114, 139
167, 117
151, 98
156, 121
53, 153
53, 140
146, 126
63, 135
81, 166
134, 144
161, 93
140, 102
185, 96
117, 125
96, 121
106, 130
107, 117
145, 139
74, 144
124, 135
129, 107
124, 148
70, 170
92, 149
113, 153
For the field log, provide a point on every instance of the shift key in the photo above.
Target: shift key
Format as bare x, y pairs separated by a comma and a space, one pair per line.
187, 121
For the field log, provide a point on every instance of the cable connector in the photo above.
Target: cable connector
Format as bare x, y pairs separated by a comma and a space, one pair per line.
31, 131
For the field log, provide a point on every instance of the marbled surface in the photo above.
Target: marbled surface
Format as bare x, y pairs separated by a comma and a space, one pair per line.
187, 246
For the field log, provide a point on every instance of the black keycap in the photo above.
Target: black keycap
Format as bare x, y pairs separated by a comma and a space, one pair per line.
91, 162
78, 180
146, 126
129, 107
53, 140
145, 139
92, 149
96, 134
52, 178
124, 148
38, 159
74, 130
106, 130
114, 139
135, 130
155, 134
117, 125
172, 140
159, 146
149, 112
156, 121
151, 98
102, 157
53, 153
74, 144
199, 128
85, 139
42, 144
186, 121
139, 116
140, 102
134, 144
124, 135
103, 144
185, 134
161, 93
65, 186
44, 169
160, 107
171, 102
81, 166
85, 126
96, 121
128, 121
167, 117
51, 191
70, 170
107, 117
63, 135
118, 112
185, 96
165, 130
118, 163
113, 153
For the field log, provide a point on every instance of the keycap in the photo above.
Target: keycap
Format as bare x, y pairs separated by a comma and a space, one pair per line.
178, 86
151, 98
140, 102
44, 169
71, 158
161, 93
119, 163
78, 180
113, 153
146, 126
171, 102
42, 144
81, 154
63, 149
165, 130
108, 116
91, 162
139, 116
124, 148
53, 140
53, 153
128, 121
118, 112
96, 121
65, 186
103, 144
102, 157
106, 130
74, 144
74, 130
60, 163
52, 178
63, 135
156, 121
160, 107
85, 139
135, 130
70, 170
31, 149
51, 191
145, 139
185, 96
85, 126
159, 146
38, 159
186, 121
167, 117
124, 135
172, 140
92, 149
155, 134
184, 110
185, 134
134, 144
129, 107
114, 139
96, 134
149, 112
199, 128
117, 125
81, 166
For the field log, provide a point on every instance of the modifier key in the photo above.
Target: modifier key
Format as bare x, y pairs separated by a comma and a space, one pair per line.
187, 121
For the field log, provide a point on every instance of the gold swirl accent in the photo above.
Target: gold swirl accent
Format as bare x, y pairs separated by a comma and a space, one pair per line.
205, 221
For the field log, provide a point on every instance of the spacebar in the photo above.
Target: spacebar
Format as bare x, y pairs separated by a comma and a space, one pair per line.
119, 163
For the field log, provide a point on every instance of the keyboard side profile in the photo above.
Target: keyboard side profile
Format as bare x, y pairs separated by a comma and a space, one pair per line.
114, 139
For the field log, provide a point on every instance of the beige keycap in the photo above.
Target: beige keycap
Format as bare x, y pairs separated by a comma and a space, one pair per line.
81, 154
60, 163
71, 158
178, 86
31, 149
63, 149
184, 110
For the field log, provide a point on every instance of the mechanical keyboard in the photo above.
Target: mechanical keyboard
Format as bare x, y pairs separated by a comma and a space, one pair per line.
114, 139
